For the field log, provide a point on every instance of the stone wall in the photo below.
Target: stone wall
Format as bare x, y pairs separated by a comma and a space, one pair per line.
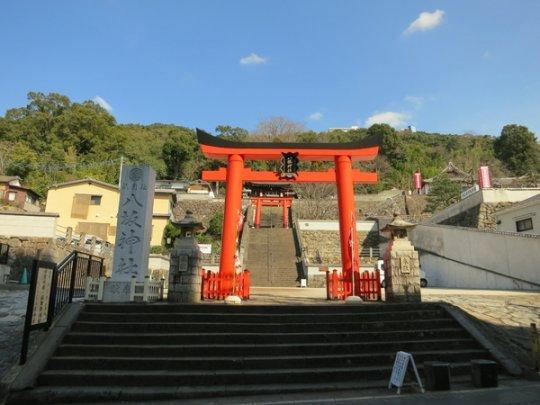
203, 210
323, 247
480, 216
328, 208
23, 250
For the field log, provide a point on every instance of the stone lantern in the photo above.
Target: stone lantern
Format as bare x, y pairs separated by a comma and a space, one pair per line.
184, 272
401, 264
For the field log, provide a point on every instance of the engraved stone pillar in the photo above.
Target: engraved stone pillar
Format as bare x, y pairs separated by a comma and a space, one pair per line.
133, 232
401, 265
185, 271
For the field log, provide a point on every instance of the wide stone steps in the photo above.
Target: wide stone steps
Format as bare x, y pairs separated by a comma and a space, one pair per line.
261, 326
257, 318
86, 338
146, 352
212, 377
253, 362
209, 308
208, 350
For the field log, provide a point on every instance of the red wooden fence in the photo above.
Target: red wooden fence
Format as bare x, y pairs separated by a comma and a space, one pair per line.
213, 285
367, 285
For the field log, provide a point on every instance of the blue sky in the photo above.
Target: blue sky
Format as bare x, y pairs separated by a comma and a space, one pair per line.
461, 66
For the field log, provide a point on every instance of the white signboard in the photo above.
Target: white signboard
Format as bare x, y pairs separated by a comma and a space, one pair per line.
42, 295
205, 248
470, 191
400, 369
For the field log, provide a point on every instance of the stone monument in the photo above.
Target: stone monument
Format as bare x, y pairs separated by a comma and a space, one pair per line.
133, 232
184, 271
401, 265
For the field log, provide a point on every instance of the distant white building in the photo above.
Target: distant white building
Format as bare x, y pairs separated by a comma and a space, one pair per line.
351, 128
411, 128
522, 217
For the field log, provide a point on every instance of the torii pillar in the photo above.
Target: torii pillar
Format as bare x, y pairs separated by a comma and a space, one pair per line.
231, 218
347, 221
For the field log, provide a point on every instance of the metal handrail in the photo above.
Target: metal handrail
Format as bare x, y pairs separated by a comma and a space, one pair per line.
67, 281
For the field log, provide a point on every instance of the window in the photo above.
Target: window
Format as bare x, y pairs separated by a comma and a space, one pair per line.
95, 200
524, 225
29, 199
12, 195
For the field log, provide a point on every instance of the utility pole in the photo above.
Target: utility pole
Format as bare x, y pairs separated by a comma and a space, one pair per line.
120, 173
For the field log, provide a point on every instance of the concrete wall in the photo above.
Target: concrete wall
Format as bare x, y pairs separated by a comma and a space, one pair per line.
37, 225
470, 258
329, 225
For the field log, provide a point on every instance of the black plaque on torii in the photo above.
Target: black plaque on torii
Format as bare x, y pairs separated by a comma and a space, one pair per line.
288, 167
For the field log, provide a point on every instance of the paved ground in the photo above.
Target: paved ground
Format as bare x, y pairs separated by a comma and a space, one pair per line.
511, 392
12, 310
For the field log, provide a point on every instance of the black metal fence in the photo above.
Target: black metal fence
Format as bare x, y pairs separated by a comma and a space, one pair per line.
52, 287
4, 253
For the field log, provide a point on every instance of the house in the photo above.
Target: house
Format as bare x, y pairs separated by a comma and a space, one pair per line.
200, 187
522, 217
90, 206
13, 193
454, 173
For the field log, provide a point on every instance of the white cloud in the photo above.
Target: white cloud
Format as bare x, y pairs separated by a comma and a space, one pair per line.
102, 102
252, 59
426, 21
392, 118
416, 101
316, 116
486, 55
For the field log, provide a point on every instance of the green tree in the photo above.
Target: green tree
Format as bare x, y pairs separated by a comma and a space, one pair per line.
215, 225
443, 192
235, 134
391, 144
518, 149
179, 150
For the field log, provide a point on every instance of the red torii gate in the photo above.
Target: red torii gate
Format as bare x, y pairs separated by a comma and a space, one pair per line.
236, 153
283, 202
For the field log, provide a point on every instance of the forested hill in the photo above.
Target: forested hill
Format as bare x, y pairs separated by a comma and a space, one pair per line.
52, 140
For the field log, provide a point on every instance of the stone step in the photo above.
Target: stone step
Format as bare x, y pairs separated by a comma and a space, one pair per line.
450, 336
211, 308
150, 378
260, 317
435, 323
249, 349
205, 393
233, 362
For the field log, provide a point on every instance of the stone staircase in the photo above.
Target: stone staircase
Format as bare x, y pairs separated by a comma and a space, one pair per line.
138, 352
271, 258
271, 253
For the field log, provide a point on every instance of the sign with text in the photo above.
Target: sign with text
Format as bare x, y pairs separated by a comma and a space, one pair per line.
470, 191
205, 248
42, 295
401, 363
134, 223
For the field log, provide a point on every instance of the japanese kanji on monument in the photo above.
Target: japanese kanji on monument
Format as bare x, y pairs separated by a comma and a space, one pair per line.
133, 231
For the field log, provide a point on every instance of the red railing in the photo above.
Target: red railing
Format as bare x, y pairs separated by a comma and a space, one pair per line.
217, 287
367, 285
